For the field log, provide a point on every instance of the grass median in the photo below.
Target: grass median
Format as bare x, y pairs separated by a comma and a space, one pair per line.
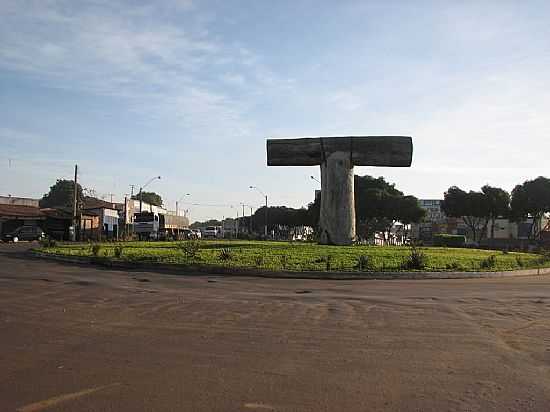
291, 256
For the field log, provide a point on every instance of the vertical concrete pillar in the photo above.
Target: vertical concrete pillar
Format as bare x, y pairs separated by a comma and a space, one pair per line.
337, 218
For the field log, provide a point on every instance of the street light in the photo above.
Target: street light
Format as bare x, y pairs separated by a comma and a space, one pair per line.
236, 225
179, 200
141, 190
263, 194
250, 218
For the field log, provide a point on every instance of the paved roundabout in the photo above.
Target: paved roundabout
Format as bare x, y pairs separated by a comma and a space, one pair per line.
89, 338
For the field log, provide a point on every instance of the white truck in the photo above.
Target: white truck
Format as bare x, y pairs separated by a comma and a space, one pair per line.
212, 232
155, 226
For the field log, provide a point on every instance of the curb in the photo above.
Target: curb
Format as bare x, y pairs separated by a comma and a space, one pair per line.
202, 270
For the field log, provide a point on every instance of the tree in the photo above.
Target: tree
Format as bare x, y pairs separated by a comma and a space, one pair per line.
410, 210
281, 219
498, 204
61, 195
149, 197
211, 222
531, 200
379, 205
472, 207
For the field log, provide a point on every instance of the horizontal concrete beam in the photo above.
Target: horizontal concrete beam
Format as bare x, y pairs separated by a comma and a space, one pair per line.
393, 151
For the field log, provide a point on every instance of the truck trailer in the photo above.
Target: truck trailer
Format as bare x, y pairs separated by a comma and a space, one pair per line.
160, 226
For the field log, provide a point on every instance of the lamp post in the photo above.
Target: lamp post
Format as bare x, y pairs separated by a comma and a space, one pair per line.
236, 225
179, 200
263, 194
141, 190
250, 218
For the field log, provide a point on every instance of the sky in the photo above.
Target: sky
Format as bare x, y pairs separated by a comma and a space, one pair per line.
190, 90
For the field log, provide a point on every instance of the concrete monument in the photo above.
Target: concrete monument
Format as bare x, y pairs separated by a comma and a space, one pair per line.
337, 156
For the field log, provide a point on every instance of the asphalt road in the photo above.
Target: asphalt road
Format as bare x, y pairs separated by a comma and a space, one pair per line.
76, 338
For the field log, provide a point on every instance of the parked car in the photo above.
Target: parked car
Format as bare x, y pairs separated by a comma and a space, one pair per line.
24, 233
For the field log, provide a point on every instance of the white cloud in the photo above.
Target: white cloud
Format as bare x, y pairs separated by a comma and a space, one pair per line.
161, 69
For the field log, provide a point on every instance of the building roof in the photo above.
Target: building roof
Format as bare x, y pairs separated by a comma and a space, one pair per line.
20, 201
58, 212
18, 211
95, 203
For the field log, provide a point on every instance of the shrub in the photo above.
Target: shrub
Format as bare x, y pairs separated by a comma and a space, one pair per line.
489, 262
519, 261
225, 254
543, 259
284, 261
48, 242
454, 266
328, 261
365, 263
446, 240
259, 260
118, 250
417, 259
95, 249
190, 248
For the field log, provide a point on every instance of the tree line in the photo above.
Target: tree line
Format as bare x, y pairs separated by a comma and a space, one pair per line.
479, 209
378, 206
61, 195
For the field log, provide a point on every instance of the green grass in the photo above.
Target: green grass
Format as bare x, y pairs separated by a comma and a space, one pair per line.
305, 256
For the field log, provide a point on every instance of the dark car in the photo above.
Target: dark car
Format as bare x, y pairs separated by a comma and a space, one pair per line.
24, 233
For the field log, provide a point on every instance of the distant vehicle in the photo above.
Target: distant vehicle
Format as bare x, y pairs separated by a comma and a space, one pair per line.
24, 233
155, 226
186, 234
196, 233
211, 232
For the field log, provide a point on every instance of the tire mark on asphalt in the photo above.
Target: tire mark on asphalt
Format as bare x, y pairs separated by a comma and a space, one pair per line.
47, 403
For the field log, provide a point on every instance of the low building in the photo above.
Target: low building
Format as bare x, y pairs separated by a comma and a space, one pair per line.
19, 201
13, 216
101, 216
434, 222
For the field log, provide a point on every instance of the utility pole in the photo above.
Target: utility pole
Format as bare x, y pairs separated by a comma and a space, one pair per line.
75, 200
244, 222
132, 193
266, 216
263, 194
250, 222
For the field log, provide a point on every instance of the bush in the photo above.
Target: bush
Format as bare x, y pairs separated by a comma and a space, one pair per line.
446, 240
365, 263
417, 259
284, 261
455, 266
48, 242
328, 261
190, 248
95, 249
225, 254
259, 261
118, 250
519, 261
489, 262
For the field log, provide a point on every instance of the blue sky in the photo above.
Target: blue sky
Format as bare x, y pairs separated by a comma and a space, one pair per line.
190, 90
